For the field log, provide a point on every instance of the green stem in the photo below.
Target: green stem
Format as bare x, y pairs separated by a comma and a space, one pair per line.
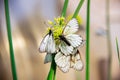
78, 9
118, 53
14, 74
108, 39
87, 40
65, 8
52, 72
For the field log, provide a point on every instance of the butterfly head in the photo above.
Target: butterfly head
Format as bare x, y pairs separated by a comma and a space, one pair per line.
49, 30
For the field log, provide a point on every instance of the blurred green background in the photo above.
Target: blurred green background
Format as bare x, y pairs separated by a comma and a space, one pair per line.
28, 19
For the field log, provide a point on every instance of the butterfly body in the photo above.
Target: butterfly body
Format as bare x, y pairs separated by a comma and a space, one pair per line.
50, 32
64, 39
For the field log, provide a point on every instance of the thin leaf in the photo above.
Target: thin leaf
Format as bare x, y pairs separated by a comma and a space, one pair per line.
52, 72
87, 41
65, 8
108, 39
14, 74
118, 50
78, 9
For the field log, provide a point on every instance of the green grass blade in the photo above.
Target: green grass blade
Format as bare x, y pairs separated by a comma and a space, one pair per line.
78, 9
52, 72
14, 74
118, 53
108, 38
65, 8
87, 40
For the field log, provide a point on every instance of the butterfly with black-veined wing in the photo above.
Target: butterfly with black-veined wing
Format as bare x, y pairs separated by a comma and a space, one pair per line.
71, 61
48, 43
69, 40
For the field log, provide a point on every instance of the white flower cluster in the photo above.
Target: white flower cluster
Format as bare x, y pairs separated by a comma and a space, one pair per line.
64, 46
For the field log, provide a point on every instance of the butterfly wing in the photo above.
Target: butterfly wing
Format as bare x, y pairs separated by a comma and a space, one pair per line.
65, 49
43, 44
74, 40
61, 60
47, 44
48, 58
50, 44
71, 27
78, 65
66, 68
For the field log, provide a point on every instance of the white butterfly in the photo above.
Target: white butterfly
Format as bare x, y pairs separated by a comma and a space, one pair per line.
48, 43
69, 40
66, 62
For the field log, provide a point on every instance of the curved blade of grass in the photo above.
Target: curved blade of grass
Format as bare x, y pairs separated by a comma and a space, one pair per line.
65, 8
78, 9
87, 40
14, 74
118, 51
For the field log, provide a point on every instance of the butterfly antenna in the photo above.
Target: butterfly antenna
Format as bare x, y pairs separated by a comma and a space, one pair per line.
47, 24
